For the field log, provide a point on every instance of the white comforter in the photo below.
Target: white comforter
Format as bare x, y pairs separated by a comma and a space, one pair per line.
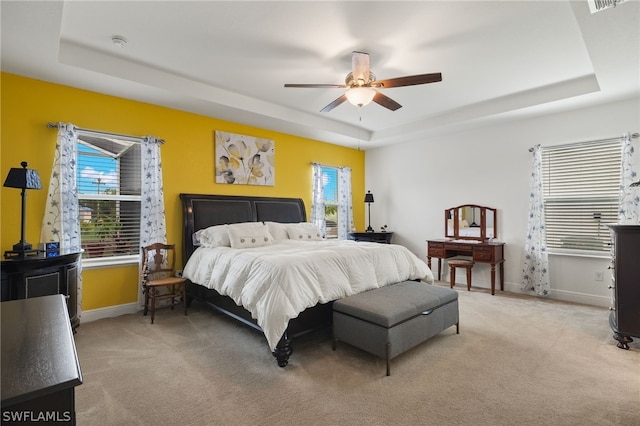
277, 282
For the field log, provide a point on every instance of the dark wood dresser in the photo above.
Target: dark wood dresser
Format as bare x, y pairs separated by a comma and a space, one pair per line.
40, 368
34, 276
625, 310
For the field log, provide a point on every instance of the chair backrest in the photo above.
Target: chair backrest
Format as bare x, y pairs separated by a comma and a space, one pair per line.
158, 261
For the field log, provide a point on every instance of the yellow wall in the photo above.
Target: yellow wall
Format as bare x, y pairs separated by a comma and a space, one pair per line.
187, 159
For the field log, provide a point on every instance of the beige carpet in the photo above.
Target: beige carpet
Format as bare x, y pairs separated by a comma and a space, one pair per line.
517, 361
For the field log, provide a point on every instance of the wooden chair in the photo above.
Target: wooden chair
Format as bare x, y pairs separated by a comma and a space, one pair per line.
460, 263
158, 272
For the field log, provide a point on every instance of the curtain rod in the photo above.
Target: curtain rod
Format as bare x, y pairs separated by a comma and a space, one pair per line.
315, 163
633, 136
98, 132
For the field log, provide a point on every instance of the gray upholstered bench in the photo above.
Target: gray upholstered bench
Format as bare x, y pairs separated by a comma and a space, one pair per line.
390, 320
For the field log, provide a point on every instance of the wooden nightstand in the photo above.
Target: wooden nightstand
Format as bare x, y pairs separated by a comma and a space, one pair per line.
375, 237
35, 276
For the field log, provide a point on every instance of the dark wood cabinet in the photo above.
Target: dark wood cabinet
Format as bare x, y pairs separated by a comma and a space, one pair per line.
40, 367
625, 312
35, 276
375, 237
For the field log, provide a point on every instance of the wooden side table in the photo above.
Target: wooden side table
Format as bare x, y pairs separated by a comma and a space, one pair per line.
375, 237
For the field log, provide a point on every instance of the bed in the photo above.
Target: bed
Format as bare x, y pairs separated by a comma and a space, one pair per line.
286, 287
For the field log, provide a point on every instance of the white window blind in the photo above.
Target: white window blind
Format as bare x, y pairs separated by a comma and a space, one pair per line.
581, 184
109, 189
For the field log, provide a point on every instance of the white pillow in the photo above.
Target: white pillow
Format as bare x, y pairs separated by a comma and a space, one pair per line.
249, 234
214, 236
277, 230
304, 231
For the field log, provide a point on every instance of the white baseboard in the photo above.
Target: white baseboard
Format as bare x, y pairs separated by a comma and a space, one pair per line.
563, 295
108, 312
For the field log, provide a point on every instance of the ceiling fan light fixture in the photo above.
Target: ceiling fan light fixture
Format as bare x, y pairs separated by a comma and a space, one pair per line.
360, 96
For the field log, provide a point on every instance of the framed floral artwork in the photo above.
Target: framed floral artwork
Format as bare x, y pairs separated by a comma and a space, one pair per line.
244, 160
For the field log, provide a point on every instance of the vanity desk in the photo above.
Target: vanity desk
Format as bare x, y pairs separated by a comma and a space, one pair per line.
482, 252
470, 230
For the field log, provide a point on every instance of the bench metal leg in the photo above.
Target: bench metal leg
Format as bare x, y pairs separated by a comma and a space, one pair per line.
388, 359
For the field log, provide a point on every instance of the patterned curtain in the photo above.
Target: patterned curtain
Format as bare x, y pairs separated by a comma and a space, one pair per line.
345, 209
61, 221
153, 227
629, 211
535, 273
317, 198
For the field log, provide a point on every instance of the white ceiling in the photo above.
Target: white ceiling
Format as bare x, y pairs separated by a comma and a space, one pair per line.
230, 60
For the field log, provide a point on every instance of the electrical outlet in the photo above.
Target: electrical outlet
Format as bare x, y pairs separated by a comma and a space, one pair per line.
599, 276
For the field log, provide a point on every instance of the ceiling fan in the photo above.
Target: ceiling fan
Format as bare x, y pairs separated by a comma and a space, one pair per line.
361, 85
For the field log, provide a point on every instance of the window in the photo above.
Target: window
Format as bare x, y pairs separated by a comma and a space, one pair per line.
330, 192
109, 189
581, 186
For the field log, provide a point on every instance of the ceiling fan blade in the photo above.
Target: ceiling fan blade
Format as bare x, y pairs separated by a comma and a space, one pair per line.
334, 104
360, 67
386, 101
410, 80
337, 86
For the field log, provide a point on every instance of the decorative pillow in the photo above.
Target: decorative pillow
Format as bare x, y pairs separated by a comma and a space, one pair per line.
214, 236
304, 231
249, 234
195, 238
277, 230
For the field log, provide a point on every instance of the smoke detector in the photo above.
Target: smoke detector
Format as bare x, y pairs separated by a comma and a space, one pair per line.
119, 41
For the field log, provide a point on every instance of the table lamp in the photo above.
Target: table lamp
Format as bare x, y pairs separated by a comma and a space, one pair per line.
368, 198
24, 179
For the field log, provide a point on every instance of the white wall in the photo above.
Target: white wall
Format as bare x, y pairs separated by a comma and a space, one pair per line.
413, 183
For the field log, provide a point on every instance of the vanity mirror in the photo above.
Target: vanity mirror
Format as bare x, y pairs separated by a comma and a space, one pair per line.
471, 222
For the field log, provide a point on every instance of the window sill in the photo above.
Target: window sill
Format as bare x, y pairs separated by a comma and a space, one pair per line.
110, 262
580, 253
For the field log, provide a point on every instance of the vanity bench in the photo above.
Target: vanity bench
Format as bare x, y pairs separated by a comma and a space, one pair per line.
460, 263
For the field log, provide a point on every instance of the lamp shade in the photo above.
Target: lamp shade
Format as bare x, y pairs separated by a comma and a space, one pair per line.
368, 197
23, 178
360, 96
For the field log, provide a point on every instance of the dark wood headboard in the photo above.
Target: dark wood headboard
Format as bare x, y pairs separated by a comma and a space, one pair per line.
200, 211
